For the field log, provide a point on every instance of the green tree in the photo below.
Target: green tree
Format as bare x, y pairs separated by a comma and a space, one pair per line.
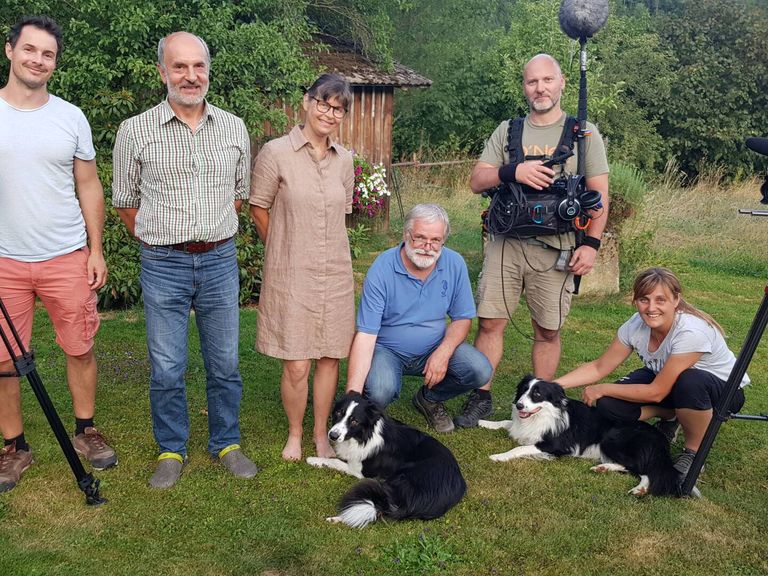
633, 58
363, 24
257, 48
720, 94
626, 72
474, 52
108, 66
453, 42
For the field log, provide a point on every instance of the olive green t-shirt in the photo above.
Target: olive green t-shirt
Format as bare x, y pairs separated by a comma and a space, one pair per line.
542, 141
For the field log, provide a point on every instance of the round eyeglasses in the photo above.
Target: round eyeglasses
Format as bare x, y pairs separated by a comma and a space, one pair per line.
323, 107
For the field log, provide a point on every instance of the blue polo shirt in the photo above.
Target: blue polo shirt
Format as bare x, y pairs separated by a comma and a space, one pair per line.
407, 314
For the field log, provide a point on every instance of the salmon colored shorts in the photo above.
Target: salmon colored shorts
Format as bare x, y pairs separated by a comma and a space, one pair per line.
61, 283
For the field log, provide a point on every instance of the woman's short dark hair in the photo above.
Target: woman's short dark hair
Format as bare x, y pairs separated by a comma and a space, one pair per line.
329, 86
43, 23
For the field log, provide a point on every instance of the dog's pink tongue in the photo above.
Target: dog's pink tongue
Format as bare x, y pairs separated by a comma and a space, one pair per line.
523, 414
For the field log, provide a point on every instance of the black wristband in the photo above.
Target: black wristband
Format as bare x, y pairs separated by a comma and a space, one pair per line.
507, 172
592, 242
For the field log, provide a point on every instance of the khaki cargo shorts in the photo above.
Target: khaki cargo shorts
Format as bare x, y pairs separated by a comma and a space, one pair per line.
527, 266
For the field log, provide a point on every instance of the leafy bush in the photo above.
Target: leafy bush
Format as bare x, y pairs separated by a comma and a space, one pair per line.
627, 189
721, 89
121, 251
250, 258
358, 238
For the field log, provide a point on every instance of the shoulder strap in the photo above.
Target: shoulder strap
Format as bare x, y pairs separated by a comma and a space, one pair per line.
570, 130
515, 140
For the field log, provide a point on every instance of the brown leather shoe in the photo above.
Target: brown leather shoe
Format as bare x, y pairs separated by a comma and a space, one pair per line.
94, 447
13, 463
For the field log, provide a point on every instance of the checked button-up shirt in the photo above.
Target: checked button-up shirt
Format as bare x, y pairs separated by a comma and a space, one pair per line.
183, 182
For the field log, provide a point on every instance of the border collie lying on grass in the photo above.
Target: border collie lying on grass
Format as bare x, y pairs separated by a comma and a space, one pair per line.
547, 424
406, 473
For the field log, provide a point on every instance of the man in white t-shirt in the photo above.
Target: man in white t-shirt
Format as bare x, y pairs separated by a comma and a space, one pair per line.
51, 222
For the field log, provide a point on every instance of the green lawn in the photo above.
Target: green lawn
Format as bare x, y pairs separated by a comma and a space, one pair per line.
517, 518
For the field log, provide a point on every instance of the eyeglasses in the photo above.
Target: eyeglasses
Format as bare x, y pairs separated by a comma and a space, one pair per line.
421, 242
323, 107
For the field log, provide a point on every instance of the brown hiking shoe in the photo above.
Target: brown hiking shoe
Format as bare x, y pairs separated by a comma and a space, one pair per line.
435, 412
94, 447
13, 463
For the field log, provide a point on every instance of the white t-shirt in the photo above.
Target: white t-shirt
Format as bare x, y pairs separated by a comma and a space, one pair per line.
689, 333
40, 216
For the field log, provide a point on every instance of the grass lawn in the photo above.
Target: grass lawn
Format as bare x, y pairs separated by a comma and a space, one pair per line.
521, 517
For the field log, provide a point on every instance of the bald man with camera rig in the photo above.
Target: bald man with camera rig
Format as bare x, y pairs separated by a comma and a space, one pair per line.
538, 201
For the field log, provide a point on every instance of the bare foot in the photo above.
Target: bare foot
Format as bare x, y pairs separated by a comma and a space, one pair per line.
292, 449
323, 448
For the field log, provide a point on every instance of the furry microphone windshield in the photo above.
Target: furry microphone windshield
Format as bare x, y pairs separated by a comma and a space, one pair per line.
583, 18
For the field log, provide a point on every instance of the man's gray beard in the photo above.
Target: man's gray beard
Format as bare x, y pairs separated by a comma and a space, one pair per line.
532, 106
176, 96
421, 261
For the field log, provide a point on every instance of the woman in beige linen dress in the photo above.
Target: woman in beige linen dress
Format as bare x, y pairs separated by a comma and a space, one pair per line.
301, 189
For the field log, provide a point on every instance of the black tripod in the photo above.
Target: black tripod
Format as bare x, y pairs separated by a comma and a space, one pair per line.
25, 366
721, 413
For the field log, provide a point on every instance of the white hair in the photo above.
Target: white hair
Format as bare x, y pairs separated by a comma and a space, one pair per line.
427, 213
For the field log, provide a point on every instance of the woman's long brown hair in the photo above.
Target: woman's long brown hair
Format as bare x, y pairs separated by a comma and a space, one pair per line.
649, 279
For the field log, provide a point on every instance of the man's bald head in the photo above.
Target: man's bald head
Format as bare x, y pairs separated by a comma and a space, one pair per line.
162, 46
542, 58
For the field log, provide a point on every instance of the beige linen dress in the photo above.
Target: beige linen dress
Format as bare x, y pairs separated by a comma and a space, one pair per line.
307, 305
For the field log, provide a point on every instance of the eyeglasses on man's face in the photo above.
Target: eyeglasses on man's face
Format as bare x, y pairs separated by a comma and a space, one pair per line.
420, 241
323, 107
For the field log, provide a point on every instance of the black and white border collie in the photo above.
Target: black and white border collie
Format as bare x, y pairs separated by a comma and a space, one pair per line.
547, 424
406, 473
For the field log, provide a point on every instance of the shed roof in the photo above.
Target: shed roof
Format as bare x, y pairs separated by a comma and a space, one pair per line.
360, 71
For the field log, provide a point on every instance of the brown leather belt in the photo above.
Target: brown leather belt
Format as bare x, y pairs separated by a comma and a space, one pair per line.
195, 247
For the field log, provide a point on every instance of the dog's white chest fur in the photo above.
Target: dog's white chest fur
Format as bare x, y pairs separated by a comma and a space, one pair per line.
529, 431
350, 453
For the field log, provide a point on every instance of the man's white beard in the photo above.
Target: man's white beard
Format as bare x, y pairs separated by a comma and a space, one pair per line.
421, 258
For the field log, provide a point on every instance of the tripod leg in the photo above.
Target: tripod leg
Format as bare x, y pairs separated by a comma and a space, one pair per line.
25, 366
721, 412
86, 482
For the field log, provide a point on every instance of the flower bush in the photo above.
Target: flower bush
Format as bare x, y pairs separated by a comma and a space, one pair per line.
370, 187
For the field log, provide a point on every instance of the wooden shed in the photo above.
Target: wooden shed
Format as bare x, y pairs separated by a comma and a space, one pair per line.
367, 128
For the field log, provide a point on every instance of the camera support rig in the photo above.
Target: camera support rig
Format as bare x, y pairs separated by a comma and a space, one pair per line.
721, 413
24, 365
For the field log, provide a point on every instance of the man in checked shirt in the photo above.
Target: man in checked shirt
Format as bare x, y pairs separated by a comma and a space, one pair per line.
181, 171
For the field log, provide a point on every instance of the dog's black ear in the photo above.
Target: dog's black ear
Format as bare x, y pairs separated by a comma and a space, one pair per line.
562, 398
372, 410
525, 382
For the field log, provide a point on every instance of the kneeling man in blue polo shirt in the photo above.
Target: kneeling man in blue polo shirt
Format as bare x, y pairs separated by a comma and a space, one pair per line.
401, 329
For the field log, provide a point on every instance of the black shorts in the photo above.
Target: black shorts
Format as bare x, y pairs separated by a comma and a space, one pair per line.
694, 389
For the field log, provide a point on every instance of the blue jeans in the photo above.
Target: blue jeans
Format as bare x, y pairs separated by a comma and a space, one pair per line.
174, 283
468, 369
